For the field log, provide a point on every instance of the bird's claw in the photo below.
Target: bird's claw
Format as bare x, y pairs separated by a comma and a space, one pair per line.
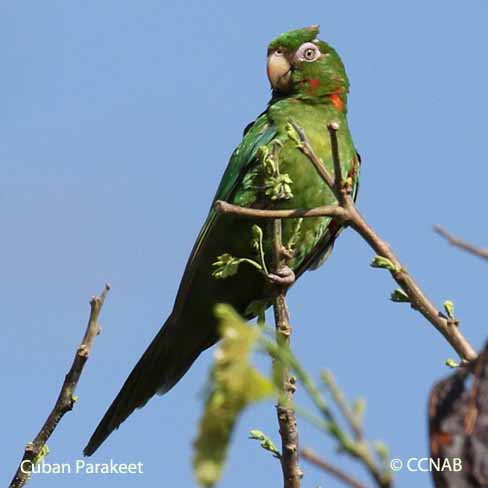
284, 276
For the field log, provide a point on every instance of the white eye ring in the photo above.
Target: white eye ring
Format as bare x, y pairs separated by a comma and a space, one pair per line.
308, 52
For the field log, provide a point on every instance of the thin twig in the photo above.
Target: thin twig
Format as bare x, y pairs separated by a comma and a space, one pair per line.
465, 246
292, 473
66, 398
307, 149
333, 470
352, 419
339, 188
324, 211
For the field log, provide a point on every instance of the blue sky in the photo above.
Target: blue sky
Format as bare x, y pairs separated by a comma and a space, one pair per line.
118, 119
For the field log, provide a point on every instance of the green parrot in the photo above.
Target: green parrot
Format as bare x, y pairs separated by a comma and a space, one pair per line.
309, 87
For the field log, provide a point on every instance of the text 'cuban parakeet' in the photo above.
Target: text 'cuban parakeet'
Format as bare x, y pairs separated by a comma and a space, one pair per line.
310, 87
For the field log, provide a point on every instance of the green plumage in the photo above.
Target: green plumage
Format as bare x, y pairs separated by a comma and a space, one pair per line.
315, 95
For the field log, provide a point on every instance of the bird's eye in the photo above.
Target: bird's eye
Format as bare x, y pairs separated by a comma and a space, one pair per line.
308, 52
279, 52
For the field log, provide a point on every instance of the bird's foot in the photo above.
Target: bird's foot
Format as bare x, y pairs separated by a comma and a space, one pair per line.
284, 276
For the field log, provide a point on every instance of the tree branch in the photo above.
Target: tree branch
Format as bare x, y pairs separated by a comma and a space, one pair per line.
465, 246
66, 399
347, 212
417, 298
292, 473
335, 471
325, 211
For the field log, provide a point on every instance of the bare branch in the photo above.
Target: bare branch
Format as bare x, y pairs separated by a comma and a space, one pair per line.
333, 470
307, 149
333, 127
292, 473
418, 299
325, 211
66, 398
465, 246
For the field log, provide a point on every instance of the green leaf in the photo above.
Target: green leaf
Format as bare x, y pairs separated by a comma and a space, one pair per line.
226, 265
263, 153
257, 237
451, 363
267, 157
449, 308
293, 134
295, 235
399, 296
278, 187
234, 384
265, 442
385, 263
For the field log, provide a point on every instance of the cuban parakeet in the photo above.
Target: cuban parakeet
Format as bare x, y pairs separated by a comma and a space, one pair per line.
267, 170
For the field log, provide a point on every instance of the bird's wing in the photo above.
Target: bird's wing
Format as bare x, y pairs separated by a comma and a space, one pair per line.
260, 132
164, 362
256, 134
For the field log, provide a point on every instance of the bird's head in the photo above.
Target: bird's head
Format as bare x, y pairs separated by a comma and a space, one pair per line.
300, 64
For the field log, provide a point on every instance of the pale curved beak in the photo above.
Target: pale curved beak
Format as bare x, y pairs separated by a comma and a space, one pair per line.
279, 72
